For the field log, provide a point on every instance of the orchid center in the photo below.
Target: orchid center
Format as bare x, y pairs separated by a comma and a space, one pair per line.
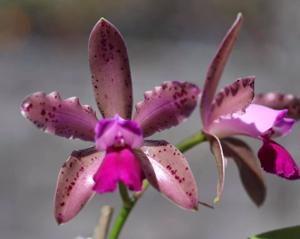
118, 137
118, 133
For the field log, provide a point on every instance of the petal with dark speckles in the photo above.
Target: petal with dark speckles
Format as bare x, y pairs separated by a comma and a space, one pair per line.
166, 106
233, 98
66, 118
75, 183
110, 70
168, 171
217, 66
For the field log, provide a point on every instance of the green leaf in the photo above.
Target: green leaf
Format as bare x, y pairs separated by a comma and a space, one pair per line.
289, 232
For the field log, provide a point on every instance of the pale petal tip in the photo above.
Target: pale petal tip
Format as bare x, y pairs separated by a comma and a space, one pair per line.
59, 219
103, 22
251, 78
239, 15
239, 18
216, 200
23, 108
103, 19
238, 21
26, 105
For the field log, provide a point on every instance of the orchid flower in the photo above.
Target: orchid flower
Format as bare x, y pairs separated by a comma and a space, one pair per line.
233, 112
120, 154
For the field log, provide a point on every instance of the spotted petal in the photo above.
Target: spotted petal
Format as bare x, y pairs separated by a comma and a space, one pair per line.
280, 101
110, 70
216, 149
166, 106
249, 169
276, 159
66, 118
217, 66
168, 171
257, 121
75, 183
233, 98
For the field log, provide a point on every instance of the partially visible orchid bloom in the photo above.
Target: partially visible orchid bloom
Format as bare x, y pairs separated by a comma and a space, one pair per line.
120, 153
232, 112
280, 101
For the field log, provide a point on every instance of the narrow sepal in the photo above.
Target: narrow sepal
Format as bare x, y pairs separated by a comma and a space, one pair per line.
166, 106
216, 67
217, 151
232, 98
249, 169
62, 117
75, 183
168, 171
280, 101
110, 70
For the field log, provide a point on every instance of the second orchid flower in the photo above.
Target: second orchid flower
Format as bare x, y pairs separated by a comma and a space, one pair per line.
233, 112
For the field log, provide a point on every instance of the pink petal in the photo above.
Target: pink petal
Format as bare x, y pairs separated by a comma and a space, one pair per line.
168, 171
119, 166
166, 106
110, 70
249, 169
118, 132
66, 118
217, 66
75, 183
216, 149
280, 101
276, 159
257, 121
233, 98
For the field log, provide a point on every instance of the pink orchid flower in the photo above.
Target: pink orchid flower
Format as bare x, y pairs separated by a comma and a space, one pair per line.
120, 153
233, 112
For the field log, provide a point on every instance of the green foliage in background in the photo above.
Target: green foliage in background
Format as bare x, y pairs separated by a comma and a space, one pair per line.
283, 233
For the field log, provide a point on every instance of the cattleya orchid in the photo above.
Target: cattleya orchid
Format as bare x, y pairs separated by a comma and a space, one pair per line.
120, 154
233, 112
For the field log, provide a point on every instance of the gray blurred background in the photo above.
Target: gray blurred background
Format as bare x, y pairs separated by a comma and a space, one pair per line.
43, 47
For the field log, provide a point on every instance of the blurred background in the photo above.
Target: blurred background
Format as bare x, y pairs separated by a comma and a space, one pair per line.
43, 47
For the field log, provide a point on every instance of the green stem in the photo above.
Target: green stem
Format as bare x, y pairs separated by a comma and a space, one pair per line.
129, 203
124, 195
120, 220
191, 141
